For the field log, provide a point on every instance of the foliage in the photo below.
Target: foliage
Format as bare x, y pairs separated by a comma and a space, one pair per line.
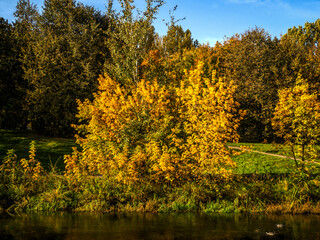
297, 119
209, 118
250, 60
19, 179
50, 151
63, 57
300, 54
170, 70
154, 133
177, 40
25, 186
25, 170
11, 87
131, 38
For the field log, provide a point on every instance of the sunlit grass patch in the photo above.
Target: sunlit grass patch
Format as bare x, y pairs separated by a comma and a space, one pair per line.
258, 163
272, 148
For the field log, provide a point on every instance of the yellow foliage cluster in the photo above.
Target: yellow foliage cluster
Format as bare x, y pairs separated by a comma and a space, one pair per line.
31, 167
29, 170
156, 132
209, 117
297, 118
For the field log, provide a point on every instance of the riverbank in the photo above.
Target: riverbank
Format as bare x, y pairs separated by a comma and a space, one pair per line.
296, 193
264, 184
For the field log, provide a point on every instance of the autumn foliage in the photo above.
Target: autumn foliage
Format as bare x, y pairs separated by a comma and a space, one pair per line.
297, 119
157, 133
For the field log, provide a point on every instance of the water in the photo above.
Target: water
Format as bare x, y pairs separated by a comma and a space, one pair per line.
176, 226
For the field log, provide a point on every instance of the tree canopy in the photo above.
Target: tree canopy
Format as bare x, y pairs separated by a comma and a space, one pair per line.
55, 56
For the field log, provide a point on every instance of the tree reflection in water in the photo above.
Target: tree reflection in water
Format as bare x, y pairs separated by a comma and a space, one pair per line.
133, 226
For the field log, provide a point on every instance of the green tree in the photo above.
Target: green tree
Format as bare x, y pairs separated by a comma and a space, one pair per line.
177, 40
131, 36
67, 56
12, 92
15, 46
250, 59
301, 54
297, 119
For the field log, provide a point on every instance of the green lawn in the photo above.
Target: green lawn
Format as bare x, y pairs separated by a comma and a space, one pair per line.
49, 150
258, 163
252, 162
268, 148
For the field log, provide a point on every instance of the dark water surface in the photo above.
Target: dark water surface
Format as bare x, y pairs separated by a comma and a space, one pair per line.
69, 226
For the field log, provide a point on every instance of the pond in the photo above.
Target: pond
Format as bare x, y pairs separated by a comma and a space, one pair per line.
72, 226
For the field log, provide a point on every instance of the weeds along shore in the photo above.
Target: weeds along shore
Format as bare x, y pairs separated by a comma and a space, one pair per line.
26, 186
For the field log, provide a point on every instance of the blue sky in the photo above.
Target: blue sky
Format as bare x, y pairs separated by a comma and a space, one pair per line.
212, 20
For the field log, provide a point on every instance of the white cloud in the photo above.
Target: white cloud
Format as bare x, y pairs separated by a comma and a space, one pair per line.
301, 9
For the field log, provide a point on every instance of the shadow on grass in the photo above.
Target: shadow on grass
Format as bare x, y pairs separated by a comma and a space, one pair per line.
50, 151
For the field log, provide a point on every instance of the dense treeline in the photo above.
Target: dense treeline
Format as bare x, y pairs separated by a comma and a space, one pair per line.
53, 57
153, 115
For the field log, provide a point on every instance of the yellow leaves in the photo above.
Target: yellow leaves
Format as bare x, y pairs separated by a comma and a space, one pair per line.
155, 132
31, 167
297, 118
207, 114
28, 170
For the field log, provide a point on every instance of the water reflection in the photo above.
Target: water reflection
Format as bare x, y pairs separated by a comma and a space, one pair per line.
69, 226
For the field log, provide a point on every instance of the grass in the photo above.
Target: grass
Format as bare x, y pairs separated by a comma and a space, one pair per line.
253, 162
49, 150
297, 192
268, 148
256, 163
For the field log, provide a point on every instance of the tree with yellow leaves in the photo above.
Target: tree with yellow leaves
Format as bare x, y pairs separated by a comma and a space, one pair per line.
153, 133
210, 120
297, 119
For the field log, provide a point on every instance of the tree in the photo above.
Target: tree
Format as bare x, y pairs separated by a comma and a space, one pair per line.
297, 119
177, 40
250, 60
210, 119
159, 134
67, 56
131, 38
12, 92
15, 44
301, 54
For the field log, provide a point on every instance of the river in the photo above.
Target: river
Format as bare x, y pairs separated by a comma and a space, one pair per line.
96, 226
